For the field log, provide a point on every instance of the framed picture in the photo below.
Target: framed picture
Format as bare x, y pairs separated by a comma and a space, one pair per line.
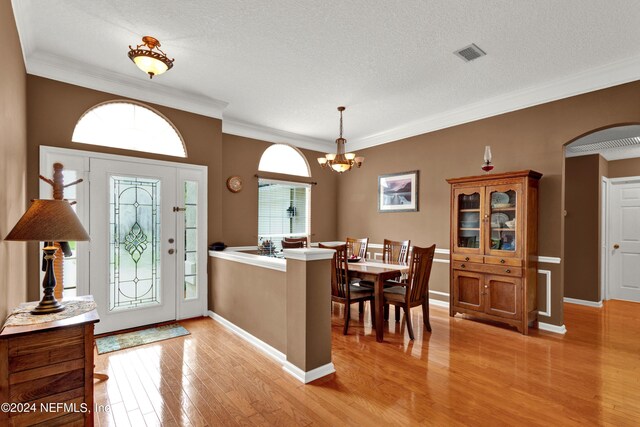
398, 192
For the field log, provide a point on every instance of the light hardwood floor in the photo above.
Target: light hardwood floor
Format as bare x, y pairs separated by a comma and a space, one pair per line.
464, 373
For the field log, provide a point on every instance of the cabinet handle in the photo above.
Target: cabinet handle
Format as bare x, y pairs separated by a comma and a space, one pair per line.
501, 261
486, 286
507, 271
462, 266
466, 258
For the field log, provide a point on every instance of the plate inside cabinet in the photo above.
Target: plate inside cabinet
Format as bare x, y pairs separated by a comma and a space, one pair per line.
499, 199
498, 220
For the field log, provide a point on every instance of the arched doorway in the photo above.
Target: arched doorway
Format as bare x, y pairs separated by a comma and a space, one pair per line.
593, 163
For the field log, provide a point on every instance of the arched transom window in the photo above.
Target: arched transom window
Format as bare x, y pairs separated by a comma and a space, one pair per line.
130, 126
282, 158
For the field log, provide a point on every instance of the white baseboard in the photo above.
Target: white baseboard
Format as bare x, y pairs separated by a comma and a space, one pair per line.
597, 304
275, 354
312, 375
439, 303
552, 328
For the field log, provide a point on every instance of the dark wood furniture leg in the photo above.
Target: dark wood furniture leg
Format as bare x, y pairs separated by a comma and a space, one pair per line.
379, 303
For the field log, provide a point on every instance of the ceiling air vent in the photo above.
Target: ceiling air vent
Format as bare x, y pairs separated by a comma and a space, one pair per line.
469, 53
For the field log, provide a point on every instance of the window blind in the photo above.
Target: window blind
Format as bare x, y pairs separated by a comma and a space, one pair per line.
284, 210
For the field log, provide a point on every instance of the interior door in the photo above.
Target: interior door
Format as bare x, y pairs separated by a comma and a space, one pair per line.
624, 250
133, 249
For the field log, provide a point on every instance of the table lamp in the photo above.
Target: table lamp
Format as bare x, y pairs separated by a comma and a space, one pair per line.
48, 221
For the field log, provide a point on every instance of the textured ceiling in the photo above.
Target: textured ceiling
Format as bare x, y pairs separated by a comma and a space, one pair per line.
284, 66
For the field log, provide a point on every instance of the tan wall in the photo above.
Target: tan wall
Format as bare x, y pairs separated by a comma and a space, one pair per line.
240, 214
622, 168
582, 225
13, 160
53, 111
531, 138
252, 298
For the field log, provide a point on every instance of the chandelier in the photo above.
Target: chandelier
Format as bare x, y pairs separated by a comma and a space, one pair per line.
340, 161
152, 60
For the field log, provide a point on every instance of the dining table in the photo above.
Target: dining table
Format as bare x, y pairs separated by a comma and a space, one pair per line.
377, 272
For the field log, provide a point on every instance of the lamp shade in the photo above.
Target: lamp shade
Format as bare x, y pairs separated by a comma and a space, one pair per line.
49, 221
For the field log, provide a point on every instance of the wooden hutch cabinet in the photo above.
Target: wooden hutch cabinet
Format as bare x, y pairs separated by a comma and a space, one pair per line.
494, 247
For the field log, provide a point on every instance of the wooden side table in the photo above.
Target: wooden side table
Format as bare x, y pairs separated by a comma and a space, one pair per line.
46, 371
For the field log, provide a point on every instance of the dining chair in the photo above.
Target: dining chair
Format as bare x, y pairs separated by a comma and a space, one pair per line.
302, 240
393, 252
357, 247
415, 290
344, 292
286, 244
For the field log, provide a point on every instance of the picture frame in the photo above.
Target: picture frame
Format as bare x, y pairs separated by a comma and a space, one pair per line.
398, 192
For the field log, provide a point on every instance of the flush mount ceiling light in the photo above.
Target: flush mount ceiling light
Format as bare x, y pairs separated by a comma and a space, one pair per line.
340, 161
152, 60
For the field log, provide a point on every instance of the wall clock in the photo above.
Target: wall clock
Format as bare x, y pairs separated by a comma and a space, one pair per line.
234, 184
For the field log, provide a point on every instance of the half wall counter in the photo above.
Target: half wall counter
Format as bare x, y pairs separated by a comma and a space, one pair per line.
279, 305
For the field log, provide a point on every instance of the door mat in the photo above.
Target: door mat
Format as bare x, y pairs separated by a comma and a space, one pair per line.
136, 338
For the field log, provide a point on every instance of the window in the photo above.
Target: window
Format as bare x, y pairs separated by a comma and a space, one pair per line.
129, 126
282, 158
284, 210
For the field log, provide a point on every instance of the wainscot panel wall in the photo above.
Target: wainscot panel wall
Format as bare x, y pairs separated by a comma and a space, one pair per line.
531, 138
13, 161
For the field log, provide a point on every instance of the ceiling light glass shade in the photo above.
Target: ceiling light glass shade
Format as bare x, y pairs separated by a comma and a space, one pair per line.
151, 60
151, 66
340, 161
341, 167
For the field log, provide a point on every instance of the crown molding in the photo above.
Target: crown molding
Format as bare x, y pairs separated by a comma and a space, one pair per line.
609, 75
264, 133
25, 32
79, 74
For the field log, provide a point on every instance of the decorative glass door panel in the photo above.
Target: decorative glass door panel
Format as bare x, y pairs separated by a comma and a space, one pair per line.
468, 230
190, 289
134, 242
503, 220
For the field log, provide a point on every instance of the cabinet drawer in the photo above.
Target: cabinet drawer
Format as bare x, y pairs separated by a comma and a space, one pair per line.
46, 348
467, 258
516, 262
490, 269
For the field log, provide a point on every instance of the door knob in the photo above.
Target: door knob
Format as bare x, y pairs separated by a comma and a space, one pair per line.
616, 246
171, 251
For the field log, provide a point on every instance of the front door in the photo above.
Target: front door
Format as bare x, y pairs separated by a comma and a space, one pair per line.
624, 249
133, 243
